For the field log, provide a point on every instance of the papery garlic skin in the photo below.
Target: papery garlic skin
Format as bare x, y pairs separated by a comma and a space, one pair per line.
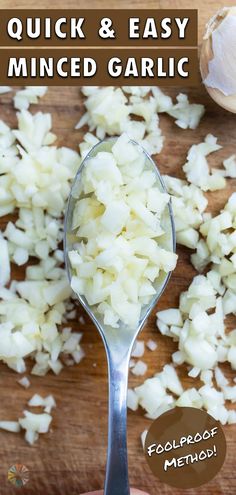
222, 67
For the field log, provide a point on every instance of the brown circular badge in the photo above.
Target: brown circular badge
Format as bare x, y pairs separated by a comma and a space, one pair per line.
185, 447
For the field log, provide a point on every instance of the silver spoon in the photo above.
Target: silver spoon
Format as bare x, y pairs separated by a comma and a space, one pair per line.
118, 342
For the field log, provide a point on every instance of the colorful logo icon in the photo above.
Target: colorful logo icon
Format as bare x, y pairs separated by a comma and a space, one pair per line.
18, 475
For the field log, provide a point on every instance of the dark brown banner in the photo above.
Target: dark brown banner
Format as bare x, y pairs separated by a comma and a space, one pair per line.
169, 67
94, 28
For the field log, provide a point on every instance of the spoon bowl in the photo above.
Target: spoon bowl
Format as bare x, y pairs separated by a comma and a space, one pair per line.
118, 342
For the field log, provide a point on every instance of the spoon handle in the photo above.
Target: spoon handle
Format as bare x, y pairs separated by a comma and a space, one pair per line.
117, 479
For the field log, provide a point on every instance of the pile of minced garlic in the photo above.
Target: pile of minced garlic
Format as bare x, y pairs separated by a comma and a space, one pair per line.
35, 180
119, 227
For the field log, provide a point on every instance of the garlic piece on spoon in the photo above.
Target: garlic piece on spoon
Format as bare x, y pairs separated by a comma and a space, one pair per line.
218, 58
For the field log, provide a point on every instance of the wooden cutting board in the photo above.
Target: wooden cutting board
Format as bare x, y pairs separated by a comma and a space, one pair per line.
71, 459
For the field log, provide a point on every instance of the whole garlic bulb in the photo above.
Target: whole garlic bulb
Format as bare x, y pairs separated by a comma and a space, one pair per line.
218, 58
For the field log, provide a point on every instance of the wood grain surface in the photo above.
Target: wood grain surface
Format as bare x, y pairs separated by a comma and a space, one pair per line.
70, 460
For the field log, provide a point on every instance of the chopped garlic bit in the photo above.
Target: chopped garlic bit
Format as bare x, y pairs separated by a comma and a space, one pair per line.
24, 382
34, 424
81, 320
221, 380
30, 94
189, 204
139, 368
151, 345
47, 403
170, 379
206, 376
171, 317
5, 270
197, 168
132, 400
194, 372
152, 396
4, 89
190, 398
89, 141
12, 426
31, 436
187, 115
219, 242
138, 349
230, 166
